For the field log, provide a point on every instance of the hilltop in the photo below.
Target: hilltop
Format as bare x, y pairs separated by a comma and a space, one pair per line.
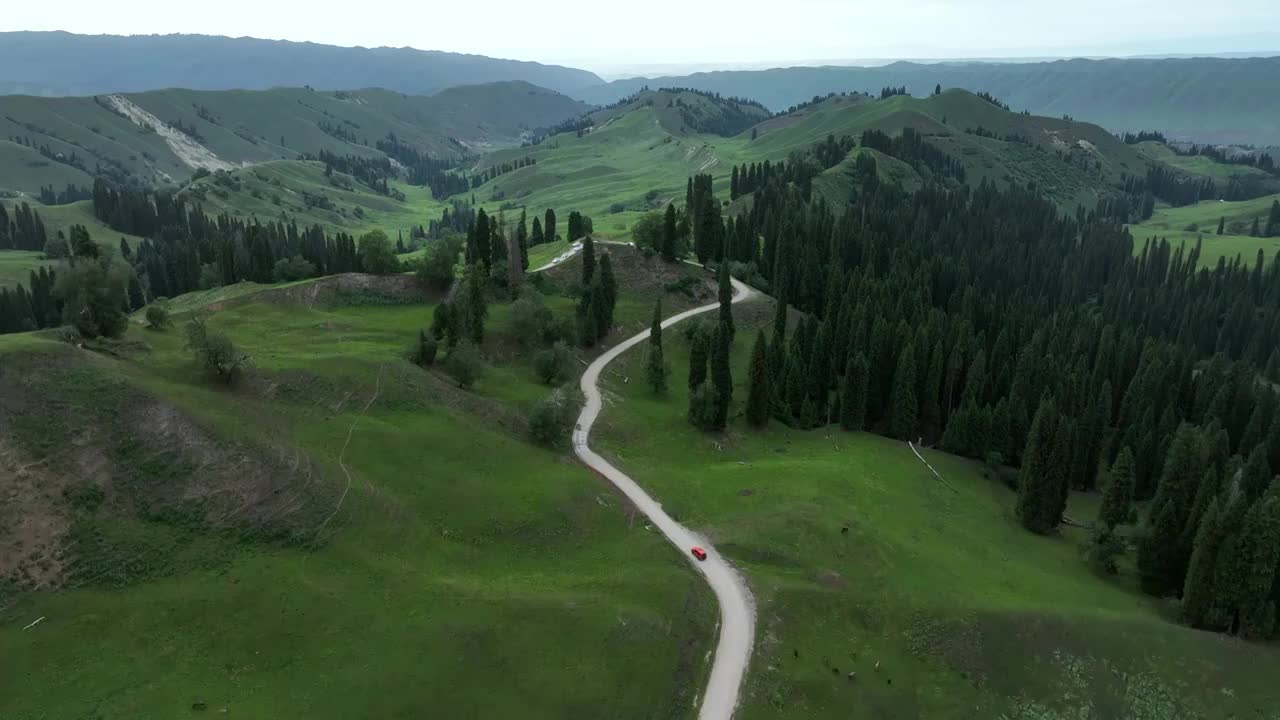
161, 137
61, 63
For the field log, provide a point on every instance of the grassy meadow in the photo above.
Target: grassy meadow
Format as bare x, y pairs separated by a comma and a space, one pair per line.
464, 571
884, 593
1200, 222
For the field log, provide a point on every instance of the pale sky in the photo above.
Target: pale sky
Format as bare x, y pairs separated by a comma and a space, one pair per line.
606, 36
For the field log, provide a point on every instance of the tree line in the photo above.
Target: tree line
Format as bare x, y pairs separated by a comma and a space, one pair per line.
984, 320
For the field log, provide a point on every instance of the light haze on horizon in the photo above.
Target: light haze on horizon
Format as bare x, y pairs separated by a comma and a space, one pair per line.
673, 34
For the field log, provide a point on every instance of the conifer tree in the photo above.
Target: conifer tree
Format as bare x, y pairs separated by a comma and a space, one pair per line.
1117, 497
725, 294
588, 261
1256, 476
608, 283
477, 307
1229, 568
1197, 591
522, 239
668, 250
760, 391
699, 351
1162, 555
903, 407
1041, 496
1222, 224
656, 367
1262, 527
796, 389
535, 235
853, 401
549, 226
721, 377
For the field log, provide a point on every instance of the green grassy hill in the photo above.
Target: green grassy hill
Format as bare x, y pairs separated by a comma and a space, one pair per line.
634, 160
883, 593
210, 539
162, 136
1200, 222
301, 192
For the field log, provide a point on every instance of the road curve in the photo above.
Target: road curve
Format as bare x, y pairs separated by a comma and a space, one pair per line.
737, 609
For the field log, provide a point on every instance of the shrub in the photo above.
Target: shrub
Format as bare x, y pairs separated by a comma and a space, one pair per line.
93, 294
617, 207
436, 266
157, 316
293, 268
531, 319
464, 364
213, 350
377, 254
425, 353
551, 420
554, 365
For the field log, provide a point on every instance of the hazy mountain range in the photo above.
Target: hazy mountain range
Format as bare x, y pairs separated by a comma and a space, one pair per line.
1201, 99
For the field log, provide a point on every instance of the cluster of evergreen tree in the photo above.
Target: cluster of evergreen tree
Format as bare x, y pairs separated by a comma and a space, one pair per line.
578, 125
24, 231
985, 320
494, 171
71, 193
1141, 136
186, 249
424, 169
1262, 161
722, 116
911, 147
994, 100
23, 311
598, 297
372, 171
890, 91
1169, 185
710, 371
48, 152
339, 131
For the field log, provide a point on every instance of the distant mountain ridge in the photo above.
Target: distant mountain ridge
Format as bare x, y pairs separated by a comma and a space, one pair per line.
163, 136
60, 63
1218, 100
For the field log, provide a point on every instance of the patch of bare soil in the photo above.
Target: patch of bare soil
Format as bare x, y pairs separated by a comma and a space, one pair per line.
351, 286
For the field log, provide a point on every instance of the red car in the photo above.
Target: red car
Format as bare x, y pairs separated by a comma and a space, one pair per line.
699, 553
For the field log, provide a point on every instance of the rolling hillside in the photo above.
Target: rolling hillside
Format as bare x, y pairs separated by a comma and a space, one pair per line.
163, 136
1226, 100
60, 63
636, 157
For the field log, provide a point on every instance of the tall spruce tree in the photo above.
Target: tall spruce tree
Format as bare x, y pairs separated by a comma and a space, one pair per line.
853, 400
760, 391
904, 407
522, 240
549, 226
725, 295
721, 375
668, 250
699, 350
1117, 496
588, 261
656, 367
1041, 495
1162, 553
1197, 591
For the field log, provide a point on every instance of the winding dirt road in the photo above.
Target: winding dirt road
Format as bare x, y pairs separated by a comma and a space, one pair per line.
737, 609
